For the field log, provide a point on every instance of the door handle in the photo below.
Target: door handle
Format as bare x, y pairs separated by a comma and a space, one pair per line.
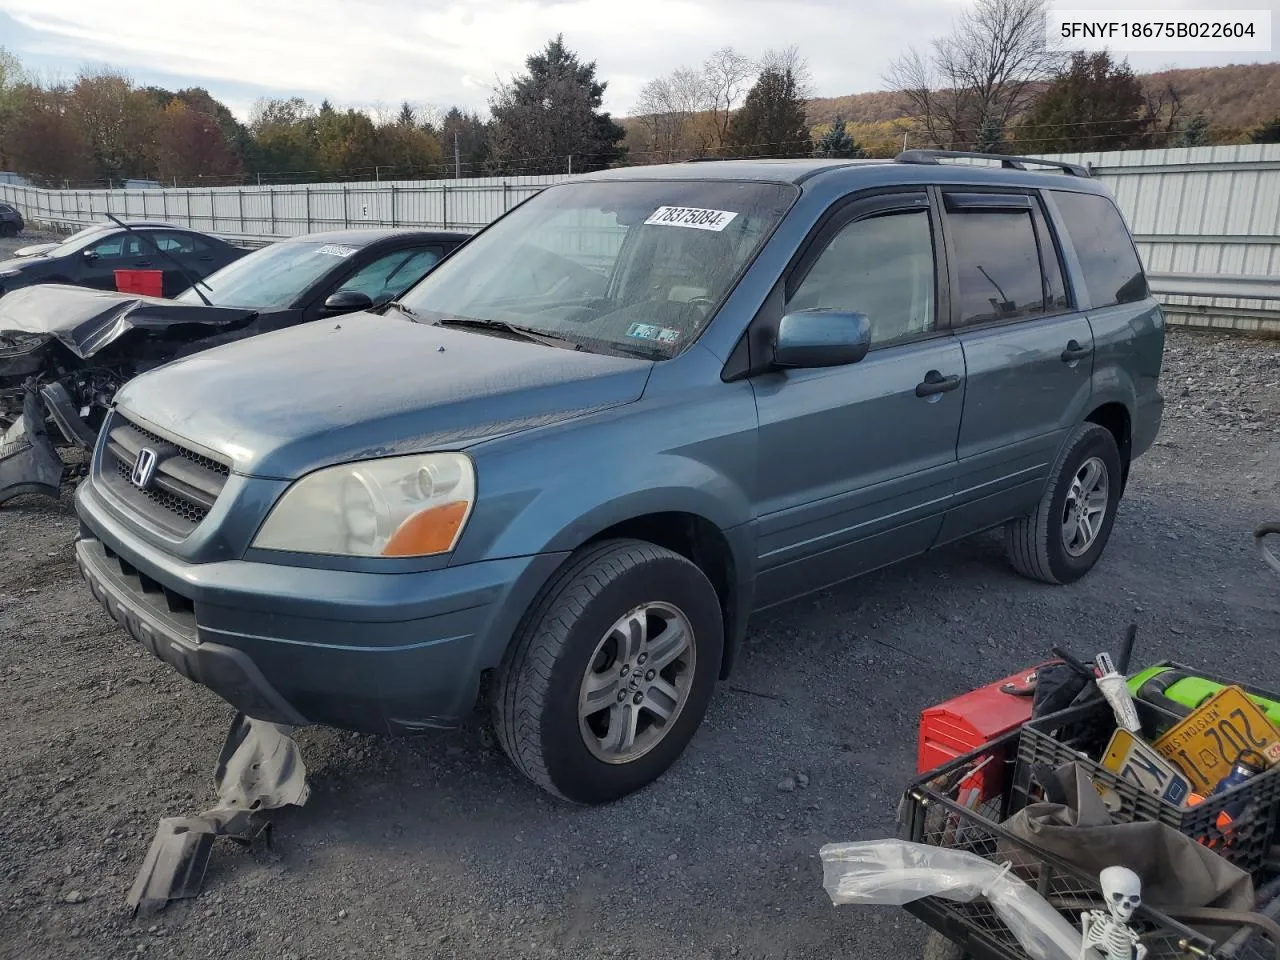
935, 383
1075, 352
142, 263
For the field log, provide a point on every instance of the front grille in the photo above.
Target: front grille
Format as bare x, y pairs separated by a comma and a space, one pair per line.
185, 484
208, 463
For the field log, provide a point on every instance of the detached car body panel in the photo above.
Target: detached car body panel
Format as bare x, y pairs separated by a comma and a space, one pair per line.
652, 388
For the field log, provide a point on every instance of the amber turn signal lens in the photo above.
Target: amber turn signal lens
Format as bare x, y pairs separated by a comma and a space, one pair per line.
428, 532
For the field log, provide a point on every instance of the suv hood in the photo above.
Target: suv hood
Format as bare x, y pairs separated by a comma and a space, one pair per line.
363, 385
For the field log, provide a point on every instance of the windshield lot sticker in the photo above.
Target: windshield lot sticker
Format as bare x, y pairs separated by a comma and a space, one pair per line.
647, 331
693, 217
336, 250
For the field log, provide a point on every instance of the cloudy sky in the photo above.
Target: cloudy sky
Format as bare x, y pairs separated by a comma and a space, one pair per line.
441, 52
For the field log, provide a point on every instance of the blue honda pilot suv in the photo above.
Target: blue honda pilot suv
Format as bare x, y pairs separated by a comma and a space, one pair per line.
632, 411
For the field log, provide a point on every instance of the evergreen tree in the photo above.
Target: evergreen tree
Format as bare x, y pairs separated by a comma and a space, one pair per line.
407, 117
836, 142
550, 118
772, 121
990, 135
1269, 132
1195, 133
464, 137
1095, 104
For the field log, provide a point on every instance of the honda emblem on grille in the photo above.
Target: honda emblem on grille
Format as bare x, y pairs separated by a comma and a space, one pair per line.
144, 468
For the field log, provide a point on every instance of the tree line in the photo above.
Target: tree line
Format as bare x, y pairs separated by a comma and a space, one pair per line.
103, 128
990, 85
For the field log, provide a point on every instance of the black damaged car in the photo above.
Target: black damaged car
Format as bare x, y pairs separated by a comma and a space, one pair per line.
92, 257
65, 350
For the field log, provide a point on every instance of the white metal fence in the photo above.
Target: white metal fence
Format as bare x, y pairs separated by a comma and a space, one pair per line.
285, 211
1205, 218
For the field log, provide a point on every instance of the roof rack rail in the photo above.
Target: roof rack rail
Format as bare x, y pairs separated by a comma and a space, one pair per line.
1006, 161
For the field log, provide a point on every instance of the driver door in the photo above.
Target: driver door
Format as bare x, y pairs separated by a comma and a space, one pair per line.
115, 252
857, 463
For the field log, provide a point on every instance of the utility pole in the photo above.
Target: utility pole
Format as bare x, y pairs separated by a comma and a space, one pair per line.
457, 157
571, 164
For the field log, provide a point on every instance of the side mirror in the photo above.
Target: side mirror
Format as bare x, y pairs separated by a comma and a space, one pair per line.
90, 256
821, 338
348, 301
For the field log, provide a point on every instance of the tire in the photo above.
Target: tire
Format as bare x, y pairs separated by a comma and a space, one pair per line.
1038, 544
8, 229
568, 638
938, 947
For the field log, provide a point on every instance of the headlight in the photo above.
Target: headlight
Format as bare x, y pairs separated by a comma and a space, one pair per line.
397, 507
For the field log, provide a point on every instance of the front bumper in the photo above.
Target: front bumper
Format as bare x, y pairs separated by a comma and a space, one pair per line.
363, 651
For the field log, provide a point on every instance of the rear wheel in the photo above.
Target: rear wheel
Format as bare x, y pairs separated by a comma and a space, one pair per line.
611, 671
8, 229
1062, 540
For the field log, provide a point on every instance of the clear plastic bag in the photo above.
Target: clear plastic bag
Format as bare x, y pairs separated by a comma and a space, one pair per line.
895, 872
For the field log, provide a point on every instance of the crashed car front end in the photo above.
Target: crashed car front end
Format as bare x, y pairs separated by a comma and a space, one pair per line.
65, 352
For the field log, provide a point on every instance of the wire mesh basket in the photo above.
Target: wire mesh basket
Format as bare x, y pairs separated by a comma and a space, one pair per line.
930, 815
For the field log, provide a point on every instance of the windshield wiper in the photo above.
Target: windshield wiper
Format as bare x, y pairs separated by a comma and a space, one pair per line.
191, 278
525, 333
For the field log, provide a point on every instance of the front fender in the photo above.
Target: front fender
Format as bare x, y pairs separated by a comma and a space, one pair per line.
689, 450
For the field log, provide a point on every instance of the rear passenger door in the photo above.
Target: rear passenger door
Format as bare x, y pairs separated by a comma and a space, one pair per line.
181, 250
1028, 354
856, 463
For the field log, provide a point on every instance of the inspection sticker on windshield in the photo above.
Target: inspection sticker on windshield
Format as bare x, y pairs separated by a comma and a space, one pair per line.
336, 250
647, 331
693, 217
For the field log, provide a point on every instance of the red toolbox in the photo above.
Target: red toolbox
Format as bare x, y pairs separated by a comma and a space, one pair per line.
148, 283
971, 720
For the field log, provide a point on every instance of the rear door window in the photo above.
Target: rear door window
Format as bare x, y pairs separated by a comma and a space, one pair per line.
998, 266
1112, 271
173, 242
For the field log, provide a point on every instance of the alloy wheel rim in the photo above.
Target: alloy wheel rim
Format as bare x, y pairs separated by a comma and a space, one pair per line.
637, 682
1085, 508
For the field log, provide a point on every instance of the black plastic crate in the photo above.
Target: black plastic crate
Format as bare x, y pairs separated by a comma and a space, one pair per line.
1081, 733
931, 817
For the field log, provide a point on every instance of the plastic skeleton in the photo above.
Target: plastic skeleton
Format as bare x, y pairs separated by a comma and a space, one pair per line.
1108, 934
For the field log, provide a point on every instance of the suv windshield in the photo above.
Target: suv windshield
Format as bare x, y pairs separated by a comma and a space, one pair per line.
616, 266
271, 277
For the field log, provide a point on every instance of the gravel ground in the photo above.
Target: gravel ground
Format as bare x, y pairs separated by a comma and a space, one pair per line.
435, 847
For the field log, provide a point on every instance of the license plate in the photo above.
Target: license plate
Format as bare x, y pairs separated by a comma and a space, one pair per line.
1137, 762
1209, 741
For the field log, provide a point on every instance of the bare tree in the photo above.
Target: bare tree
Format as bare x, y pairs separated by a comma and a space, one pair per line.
670, 109
971, 84
789, 60
1161, 114
727, 74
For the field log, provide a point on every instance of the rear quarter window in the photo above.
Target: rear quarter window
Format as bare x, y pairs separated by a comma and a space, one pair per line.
1112, 271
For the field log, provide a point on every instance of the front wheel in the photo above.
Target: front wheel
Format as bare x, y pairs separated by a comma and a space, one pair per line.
1062, 540
611, 671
